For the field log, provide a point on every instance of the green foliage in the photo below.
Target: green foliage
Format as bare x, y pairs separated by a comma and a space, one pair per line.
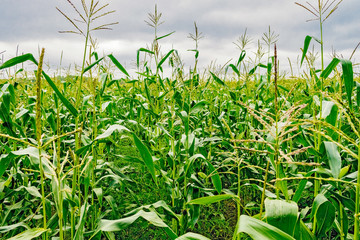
180, 156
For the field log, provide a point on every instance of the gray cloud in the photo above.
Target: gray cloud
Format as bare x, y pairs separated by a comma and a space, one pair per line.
37, 22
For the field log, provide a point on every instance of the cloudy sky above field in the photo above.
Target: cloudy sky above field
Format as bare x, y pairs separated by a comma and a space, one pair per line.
27, 25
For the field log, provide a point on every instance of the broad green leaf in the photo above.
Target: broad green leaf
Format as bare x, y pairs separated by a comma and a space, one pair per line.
120, 224
159, 204
108, 132
67, 104
302, 232
330, 68
334, 158
234, 68
192, 236
344, 171
215, 177
4, 163
118, 65
326, 109
258, 229
281, 214
34, 154
32, 190
190, 161
324, 213
111, 130
348, 76
198, 107
301, 186
4, 229
217, 79
30, 57
19, 59
129, 159
306, 47
164, 58
79, 234
146, 156
358, 94
211, 199
347, 202
29, 234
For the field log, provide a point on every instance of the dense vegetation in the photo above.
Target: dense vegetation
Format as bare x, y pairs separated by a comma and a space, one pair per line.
237, 152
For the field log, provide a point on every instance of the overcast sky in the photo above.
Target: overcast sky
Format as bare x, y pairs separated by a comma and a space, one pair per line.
29, 24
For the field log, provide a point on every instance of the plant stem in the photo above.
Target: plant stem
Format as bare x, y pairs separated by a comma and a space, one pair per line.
78, 135
276, 156
357, 201
38, 135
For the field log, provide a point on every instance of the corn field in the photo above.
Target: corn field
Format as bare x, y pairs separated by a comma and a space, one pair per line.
237, 152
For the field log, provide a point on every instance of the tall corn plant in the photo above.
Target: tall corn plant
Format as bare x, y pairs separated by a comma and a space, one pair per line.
89, 12
321, 11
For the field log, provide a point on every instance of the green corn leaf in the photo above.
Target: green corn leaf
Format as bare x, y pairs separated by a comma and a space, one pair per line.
234, 68
166, 35
34, 154
347, 202
330, 68
67, 104
324, 212
146, 156
198, 107
192, 236
282, 214
196, 52
92, 65
111, 130
4, 229
120, 224
329, 112
257, 229
107, 133
32, 190
190, 161
19, 59
164, 58
252, 71
301, 186
99, 194
348, 76
334, 158
118, 65
215, 178
159, 204
358, 94
302, 232
344, 171
138, 55
217, 79
30, 57
79, 234
212, 199
241, 57
29, 234
306, 47
5, 161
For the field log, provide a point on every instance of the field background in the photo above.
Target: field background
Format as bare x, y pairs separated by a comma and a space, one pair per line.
239, 150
